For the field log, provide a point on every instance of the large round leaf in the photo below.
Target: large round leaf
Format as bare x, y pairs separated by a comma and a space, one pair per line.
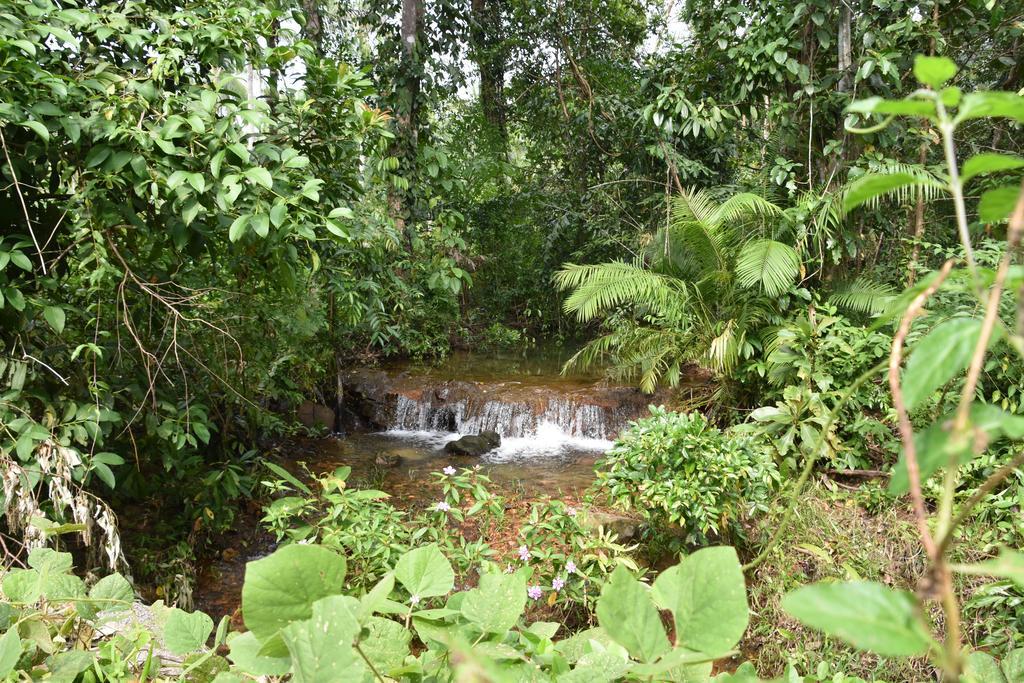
282, 588
707, 596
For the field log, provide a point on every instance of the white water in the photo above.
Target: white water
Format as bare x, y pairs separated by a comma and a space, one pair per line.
548, 440
509, 419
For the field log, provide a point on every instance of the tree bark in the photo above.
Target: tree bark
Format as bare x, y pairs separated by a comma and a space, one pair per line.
314, 28
844, 47
490, 59
407, 91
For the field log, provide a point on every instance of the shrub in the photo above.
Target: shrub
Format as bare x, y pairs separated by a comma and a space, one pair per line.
676, 469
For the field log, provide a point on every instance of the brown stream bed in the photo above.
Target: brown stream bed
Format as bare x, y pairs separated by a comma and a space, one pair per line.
553, 427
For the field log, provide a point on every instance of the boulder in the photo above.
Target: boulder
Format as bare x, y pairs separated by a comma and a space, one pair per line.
626, 528
388, 460
479, 444
315, 415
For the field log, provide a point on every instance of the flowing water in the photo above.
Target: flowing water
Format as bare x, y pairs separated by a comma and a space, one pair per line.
553, 429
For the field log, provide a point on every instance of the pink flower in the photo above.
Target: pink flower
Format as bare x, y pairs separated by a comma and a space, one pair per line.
570, 511
558, 584
524, 553
443, 506
535, 592
570, 567
449, 470
509, 569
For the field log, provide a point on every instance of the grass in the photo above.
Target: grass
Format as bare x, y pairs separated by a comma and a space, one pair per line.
841, 534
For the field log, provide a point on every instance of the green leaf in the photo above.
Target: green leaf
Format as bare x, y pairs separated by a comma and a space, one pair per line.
105, 474
942, 354
933, 71
985, 104
385, 643
707, 596
19, 259
287, 476
767, 265
868, 615
245, 653
38, 128
321, 646
55, 317
186, 632
908, 107
278, 213
240, 151
981, 667
496, 605
987, 423
238, 227
10, 651
1013, 665
261, 224
627, 614
282, 588
260, 176
425, 572
112, 593
65, 666
1009, 565
875, 185
996, 205
989, 162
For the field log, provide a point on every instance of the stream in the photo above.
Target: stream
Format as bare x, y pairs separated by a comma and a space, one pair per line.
553, 429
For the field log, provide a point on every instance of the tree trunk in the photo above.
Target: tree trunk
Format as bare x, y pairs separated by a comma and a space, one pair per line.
490, 59
314, 28
407, 96
844, 47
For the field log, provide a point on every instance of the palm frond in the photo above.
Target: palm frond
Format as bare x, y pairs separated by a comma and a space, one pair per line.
864, 295
767, 265
745, 205
900, 182
693, 204
599, 288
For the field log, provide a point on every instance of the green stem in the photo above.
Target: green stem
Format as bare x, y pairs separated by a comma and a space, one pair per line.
368, 662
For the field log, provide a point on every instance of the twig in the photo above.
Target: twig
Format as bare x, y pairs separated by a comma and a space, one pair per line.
21, 198
906, 429
55, 373
990, 484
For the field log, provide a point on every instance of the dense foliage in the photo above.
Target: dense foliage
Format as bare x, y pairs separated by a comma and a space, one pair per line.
213, 210
676, 470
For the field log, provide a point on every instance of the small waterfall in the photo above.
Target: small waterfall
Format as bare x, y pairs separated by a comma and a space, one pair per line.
511, 419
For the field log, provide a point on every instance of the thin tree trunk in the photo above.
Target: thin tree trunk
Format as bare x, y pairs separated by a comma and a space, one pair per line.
490, 59
844, 46
314, 28
407, 103
918, 220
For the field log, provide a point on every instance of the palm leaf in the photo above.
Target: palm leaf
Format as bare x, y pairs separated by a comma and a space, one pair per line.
767, 265
864, 295
599, 288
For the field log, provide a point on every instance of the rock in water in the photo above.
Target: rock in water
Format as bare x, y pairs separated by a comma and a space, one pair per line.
388, 460
483, 442
315, 415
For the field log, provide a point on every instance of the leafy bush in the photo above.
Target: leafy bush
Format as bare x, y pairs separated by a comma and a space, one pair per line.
677, 469
569, 559
301, 623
